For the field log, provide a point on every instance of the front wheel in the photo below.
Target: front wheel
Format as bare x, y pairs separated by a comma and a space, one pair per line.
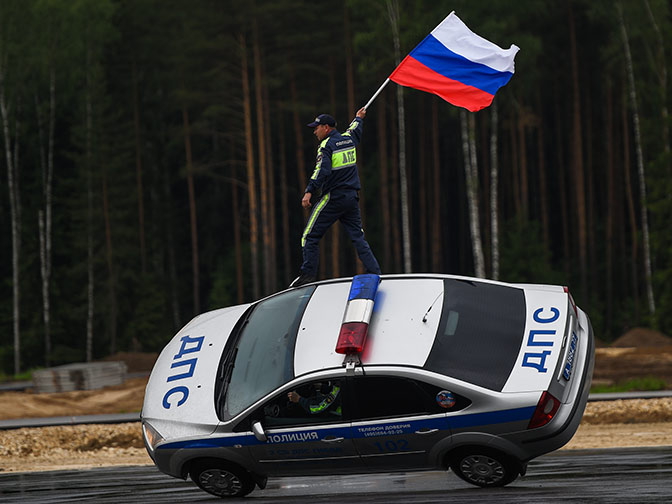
485, 468
221, 479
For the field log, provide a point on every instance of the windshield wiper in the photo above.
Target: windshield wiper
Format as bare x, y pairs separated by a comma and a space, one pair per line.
227, 372
230, 366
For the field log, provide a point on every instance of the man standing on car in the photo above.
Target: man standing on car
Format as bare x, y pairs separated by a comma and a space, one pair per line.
335, 185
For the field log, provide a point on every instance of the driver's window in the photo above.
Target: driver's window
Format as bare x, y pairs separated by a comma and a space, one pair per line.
315, 402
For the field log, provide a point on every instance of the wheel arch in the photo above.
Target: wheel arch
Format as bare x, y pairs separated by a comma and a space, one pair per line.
460, 441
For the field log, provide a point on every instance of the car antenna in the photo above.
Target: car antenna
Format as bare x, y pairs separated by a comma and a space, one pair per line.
424, 318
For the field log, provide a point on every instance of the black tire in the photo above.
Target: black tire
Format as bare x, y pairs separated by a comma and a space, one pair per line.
485, 468
221, 479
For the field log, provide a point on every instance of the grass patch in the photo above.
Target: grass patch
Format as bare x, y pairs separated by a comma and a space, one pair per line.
25, 376
636, 384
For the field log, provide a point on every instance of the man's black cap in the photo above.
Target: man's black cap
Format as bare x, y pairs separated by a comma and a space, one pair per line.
323, 119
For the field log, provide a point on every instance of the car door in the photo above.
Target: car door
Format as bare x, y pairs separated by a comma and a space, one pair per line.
396, 421
308, 437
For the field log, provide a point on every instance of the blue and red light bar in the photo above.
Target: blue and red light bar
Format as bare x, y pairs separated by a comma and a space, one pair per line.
358, 313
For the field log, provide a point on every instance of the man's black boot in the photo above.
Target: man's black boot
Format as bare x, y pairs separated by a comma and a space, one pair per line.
302, 279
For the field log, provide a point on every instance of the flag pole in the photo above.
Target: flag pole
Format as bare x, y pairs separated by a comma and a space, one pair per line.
377, 92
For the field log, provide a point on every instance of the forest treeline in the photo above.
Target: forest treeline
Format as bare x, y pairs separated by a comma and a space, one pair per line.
155, 153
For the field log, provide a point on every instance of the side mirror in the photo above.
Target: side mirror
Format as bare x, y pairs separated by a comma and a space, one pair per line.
258, 431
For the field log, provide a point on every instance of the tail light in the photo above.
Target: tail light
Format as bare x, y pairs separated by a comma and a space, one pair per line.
571, 300
546, 409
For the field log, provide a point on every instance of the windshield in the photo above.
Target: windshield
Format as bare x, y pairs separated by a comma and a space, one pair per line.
480, 333
264, 354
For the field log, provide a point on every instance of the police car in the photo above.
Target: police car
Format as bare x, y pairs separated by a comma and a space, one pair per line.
371, 374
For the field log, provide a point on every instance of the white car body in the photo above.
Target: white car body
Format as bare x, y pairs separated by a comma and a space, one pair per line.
414, 335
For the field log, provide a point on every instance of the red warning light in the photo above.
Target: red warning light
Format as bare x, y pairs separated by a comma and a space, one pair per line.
352, 337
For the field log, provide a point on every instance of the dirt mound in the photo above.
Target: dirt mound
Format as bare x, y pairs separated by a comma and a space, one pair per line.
620, 365
74, 438
642, 337
123, 398
136, 361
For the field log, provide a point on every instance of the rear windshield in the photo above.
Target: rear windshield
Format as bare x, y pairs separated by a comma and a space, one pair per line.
263, 358
480, 333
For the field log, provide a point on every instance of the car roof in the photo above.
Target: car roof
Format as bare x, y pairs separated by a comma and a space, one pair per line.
403, 325
388, 340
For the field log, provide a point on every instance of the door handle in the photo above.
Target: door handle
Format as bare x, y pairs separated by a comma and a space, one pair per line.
426, 431
332, 439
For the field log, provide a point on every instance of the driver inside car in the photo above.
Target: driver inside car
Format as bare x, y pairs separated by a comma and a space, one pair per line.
324, 398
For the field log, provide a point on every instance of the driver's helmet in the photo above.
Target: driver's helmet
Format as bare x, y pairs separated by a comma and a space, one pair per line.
323, 387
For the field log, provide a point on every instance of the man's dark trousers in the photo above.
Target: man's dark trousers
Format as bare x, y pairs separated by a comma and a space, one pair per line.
337, 205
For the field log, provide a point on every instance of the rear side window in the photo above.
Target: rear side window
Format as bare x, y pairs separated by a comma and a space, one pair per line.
480, 333
389, 396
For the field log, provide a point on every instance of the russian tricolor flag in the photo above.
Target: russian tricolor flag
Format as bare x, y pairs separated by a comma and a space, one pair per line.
456, 64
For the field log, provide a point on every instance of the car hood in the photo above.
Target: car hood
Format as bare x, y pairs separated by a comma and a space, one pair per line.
179, 398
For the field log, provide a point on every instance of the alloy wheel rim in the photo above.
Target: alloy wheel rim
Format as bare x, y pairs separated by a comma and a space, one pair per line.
482, 469
220, 482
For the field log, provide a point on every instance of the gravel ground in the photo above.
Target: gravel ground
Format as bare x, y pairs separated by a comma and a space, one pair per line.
639, 422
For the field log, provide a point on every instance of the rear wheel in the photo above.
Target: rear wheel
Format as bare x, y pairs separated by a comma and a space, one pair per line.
485, 468
221, 479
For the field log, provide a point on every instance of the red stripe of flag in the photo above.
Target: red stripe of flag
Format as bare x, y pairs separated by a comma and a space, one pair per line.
412, 73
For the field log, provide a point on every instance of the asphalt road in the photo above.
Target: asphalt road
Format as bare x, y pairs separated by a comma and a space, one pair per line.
624, 475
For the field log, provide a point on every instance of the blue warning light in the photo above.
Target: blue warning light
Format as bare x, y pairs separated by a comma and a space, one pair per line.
364, 287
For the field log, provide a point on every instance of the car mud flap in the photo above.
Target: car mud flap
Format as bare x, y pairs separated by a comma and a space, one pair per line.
260, 480
523, 468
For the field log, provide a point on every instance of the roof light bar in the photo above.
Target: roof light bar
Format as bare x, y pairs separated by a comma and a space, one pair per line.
358, 311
